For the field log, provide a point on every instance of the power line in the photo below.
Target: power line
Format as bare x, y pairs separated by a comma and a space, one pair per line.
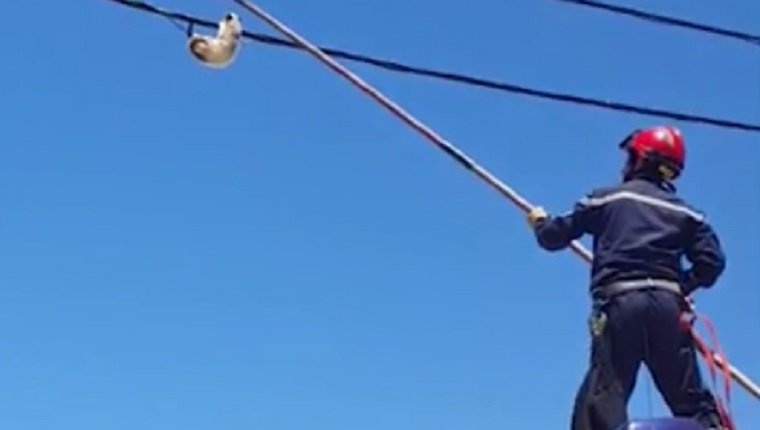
668, 20
178, 17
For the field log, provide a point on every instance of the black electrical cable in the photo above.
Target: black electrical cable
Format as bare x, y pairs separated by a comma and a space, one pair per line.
668, 20
177, 17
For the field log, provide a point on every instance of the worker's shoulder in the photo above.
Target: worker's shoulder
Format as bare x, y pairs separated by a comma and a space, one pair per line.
644, 192
596, 195
604, 190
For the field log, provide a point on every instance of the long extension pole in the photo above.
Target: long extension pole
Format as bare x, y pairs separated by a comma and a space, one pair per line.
447, 147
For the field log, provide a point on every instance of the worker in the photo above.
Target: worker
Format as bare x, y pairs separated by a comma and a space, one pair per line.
639, 289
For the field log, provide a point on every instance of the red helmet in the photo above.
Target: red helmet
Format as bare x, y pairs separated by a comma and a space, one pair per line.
661, 147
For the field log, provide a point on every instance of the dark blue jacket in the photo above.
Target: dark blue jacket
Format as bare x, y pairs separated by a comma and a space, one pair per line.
641, 229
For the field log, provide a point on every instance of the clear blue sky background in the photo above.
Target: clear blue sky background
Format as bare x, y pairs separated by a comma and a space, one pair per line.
265, 248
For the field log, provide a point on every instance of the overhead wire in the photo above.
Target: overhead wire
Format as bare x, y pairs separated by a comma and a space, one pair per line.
177, 17
668, 20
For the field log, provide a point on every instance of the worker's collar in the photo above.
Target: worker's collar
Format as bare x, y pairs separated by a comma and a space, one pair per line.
642, 176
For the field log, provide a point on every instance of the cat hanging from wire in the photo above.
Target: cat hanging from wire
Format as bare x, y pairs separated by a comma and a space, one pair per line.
217, 51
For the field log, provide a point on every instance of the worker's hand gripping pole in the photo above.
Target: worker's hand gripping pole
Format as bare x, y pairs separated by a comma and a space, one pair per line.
447, 147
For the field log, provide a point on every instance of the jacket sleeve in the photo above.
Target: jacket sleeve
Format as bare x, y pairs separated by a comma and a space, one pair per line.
706, 256
556, 232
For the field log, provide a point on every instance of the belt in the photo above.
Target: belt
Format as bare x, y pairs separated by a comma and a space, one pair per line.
620, 287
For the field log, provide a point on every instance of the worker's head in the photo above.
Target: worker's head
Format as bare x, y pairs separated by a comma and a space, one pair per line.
656, 153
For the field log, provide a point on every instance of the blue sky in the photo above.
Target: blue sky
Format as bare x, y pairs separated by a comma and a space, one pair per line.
263, 247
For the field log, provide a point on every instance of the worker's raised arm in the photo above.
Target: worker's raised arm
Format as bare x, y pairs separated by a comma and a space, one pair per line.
554, 233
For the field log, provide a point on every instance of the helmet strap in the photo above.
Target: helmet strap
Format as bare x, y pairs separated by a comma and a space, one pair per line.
667, 173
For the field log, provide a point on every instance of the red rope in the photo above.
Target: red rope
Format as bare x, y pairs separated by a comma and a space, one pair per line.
709, 356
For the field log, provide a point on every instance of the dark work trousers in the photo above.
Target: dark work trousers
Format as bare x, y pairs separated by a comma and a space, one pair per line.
631, 328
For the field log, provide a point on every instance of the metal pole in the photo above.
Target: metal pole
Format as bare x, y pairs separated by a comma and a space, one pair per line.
446, 146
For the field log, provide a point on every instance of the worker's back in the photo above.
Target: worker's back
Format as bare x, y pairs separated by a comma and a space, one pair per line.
642, 230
